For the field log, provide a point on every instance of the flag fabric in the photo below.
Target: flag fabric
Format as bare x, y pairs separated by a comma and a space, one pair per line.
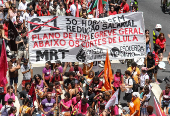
32, 93
99, 9
108, 76
12, 35
77, 11
3, 65
113, 100
158, 109
92, 5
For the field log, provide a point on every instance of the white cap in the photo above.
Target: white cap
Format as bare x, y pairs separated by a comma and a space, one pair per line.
158, 26
135, 94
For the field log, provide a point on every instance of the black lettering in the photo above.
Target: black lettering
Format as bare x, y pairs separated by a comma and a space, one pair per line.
133, 25
40, 54
53, 52
55, 24
84, 23
68, 28
74, 22
68, 19
32, 25
63, 51
121, 18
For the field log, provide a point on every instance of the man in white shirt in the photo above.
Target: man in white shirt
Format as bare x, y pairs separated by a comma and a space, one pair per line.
54, 7
128, 86
61, 11
73, 8
26, 16
22, 7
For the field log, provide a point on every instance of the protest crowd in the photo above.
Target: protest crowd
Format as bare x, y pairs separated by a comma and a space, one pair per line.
66, 88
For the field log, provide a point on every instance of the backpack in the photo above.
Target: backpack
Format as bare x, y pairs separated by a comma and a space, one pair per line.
135, 85
5, 112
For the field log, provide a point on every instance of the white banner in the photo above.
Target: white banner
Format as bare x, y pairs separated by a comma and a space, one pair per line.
72, 39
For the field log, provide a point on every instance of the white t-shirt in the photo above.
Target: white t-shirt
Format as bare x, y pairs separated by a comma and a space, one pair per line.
73, 9
14, 19
143, 77
22, 7
7, 108
128, 82
34, 16
27, 75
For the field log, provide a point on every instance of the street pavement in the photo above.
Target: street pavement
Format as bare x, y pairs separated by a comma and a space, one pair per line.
152, 15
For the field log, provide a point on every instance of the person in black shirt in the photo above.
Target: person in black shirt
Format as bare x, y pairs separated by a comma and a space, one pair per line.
24, 93
90, 95
150, 64
67, 82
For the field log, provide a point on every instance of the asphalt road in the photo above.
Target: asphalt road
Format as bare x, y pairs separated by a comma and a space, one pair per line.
152, 15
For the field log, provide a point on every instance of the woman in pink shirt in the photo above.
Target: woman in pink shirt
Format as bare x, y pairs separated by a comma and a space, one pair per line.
65, 104
118, 80
12, 111
82, 106
10, 94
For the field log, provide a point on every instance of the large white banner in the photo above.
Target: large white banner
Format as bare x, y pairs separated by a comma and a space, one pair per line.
72, 39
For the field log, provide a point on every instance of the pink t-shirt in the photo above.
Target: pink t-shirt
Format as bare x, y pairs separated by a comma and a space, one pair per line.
12, 114
83, 108
152, 115
7, 96
0, 106
66, 103
74, 101
117, 80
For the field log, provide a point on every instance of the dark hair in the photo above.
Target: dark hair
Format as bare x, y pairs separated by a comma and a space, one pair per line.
146, 90
167, 86
48, 62
150, 54
26, 114
25, 101
72, 84
156, 47
27, 84
161, 35
150, 110
80, 93
43, 5
50, 85
84, 101
12, 109
17, 17
91, 86
57, 83
10, 101
37, 75
127, 72
95, 78
23, 31
67, 94
146, 30
91, 111
10, 87
133, 64
102, 106
71, 73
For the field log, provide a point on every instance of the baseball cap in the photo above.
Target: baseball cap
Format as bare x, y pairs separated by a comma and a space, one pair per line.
76, 63
135, 94
68, 11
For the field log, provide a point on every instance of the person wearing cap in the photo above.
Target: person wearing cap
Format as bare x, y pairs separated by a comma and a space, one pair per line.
13, 66
118, 80
22, 42
135, 74
27, 71
78, 70
46, 72
156, 32
143, 77
68, 12
134, 106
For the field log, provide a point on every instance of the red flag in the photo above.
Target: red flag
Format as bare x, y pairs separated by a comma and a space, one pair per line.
99, 9
32, 93
108, 76
77, 11
159, 111
3, 65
